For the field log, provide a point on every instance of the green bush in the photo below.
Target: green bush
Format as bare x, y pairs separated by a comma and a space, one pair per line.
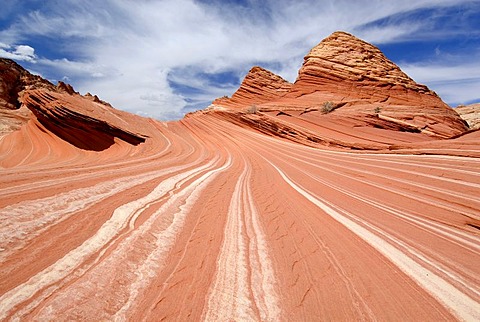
327, 107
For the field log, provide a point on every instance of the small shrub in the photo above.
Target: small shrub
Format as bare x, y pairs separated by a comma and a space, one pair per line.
252, 109
327, 107
377, 110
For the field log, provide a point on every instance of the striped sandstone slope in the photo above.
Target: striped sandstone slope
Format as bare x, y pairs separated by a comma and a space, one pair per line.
227, 215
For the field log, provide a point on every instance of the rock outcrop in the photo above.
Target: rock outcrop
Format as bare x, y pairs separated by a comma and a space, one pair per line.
356, 79
259, 86
33, 110
14, 79
471, 115
81, 122
351, 68
17, 85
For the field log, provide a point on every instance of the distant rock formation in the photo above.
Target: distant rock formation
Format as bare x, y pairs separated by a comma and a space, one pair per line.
471, 114
347, 95
67, 88
259, 86
350, 67
356, 79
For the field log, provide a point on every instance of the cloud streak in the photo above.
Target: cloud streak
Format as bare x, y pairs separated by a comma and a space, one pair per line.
157, 58
20, 52
456, 82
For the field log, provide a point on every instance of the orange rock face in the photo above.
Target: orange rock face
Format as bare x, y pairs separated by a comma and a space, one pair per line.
471, 115
259, 86
64, 116
358, 78
13, 80
342, 61
352, 71
285, 213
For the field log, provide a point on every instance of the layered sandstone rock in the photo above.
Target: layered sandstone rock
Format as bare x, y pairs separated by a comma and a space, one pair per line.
355, 79
342, 61
85, 124
13, 80
343, 68
471, 114
259, 86
43, 123
50, 121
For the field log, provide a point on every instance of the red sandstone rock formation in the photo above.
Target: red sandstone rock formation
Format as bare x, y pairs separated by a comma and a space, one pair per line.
342, 61
66, 117
17, 86
229, 215
32, 110
471, 114
357, 77
14, 79
259, 86
343, 68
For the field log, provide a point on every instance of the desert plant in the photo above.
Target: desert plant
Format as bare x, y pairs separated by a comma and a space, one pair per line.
377, 110
327, 107
252, 109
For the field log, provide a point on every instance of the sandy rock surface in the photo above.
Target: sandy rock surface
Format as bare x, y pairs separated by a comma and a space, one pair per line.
471, 115
282, 214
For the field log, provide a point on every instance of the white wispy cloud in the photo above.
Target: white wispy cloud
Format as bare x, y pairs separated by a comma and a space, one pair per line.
134, 53
455, 79
20, 52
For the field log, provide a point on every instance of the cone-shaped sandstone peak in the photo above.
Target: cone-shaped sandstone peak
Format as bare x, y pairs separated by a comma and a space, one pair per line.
342, 56
342, 61
258, 86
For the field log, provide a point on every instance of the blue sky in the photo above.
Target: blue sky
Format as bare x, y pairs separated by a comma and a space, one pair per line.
165, 58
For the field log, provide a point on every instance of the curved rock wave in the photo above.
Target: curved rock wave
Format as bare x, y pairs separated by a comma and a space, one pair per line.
220, 221
65, 120
282, 213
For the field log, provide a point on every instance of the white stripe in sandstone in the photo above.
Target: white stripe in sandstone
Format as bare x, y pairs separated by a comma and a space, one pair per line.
119, 220
25, 220
456, 234
136, 275
463, 306
166, 238
329, 166
243, 287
